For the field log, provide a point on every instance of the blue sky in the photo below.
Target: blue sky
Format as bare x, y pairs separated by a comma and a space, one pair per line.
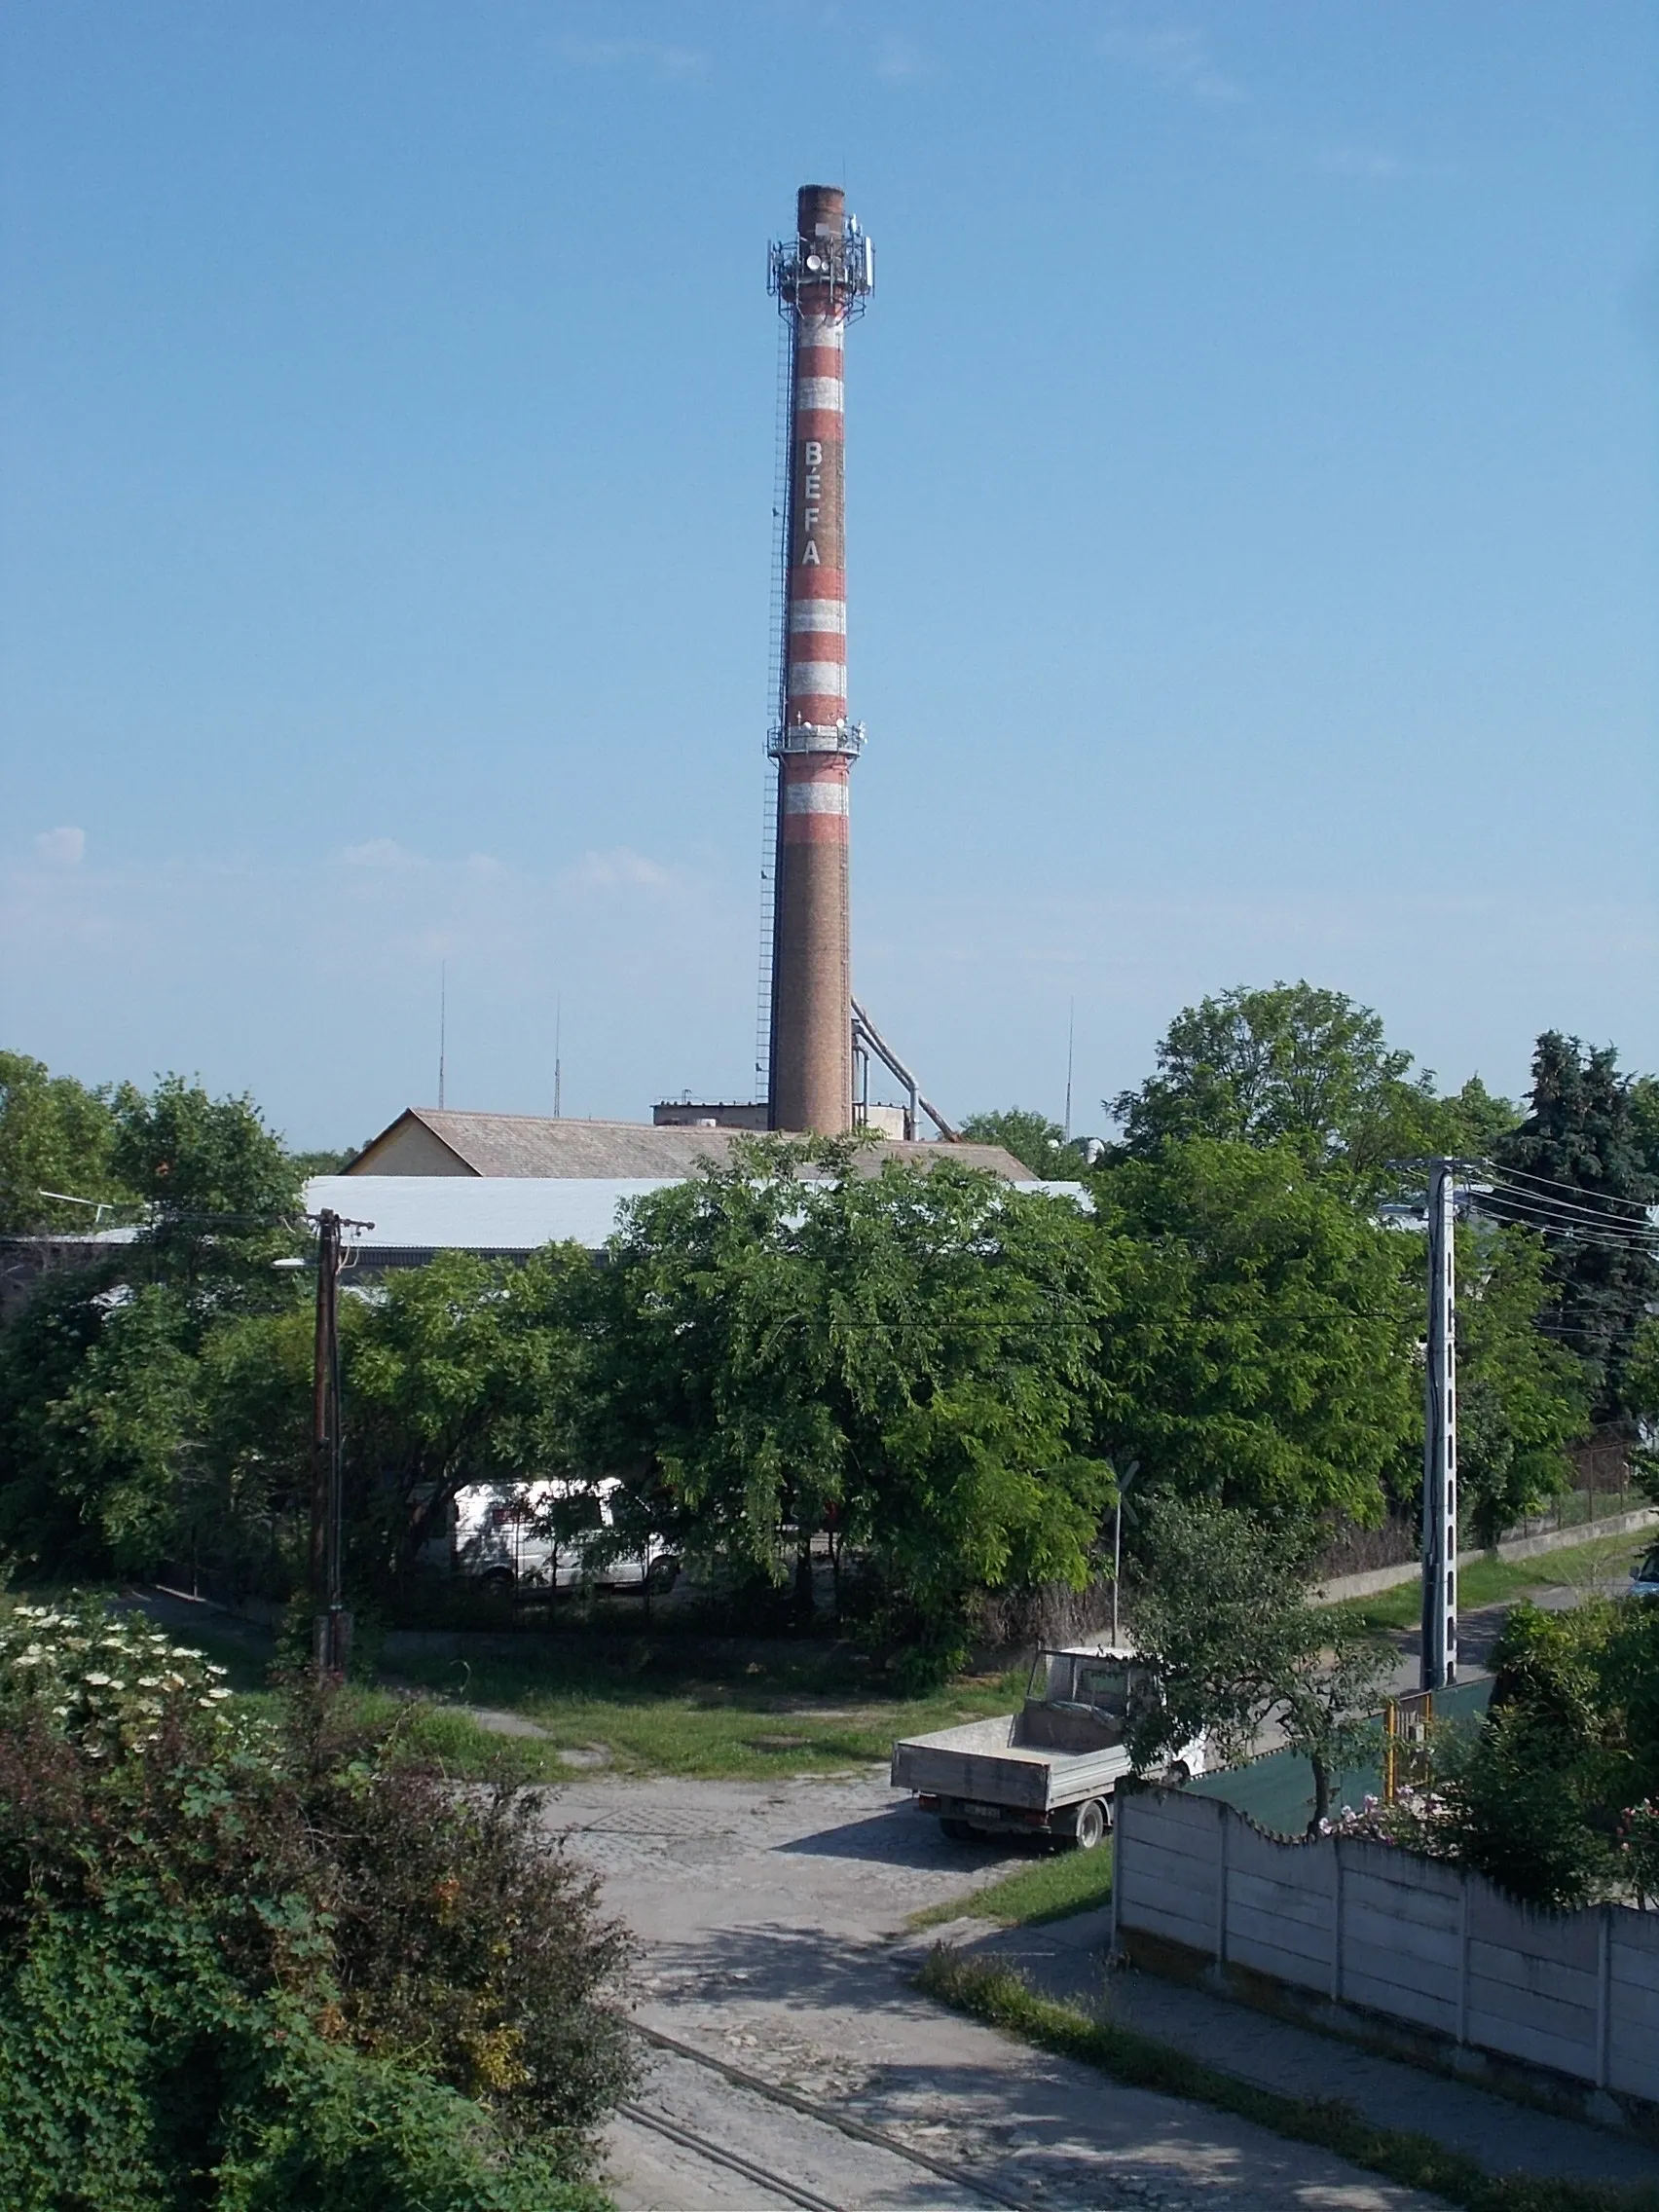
1251, 532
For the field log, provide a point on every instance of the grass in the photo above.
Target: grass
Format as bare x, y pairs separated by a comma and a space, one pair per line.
645, 1706
1054, 1887
800, 1715
1493, 1581
1002, 2000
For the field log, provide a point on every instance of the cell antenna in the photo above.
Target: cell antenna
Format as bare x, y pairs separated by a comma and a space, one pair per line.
443, 1026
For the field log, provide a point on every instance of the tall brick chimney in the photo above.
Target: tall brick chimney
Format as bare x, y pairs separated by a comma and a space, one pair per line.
821, 277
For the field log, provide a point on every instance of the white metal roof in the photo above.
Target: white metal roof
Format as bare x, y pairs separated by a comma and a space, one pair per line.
497, 1213
476, 1213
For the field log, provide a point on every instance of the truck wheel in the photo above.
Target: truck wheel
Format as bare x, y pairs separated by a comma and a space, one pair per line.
661, 1577
1092, 1825
1176, 1775
958, 1830
499, 1581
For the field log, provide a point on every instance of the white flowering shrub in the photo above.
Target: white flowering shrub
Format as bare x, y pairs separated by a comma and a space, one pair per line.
1418, 1821
104, 1679
247, 1964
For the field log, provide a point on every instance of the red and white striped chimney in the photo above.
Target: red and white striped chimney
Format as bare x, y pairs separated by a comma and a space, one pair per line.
821, 277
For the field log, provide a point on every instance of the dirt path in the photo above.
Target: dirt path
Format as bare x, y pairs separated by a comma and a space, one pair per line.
768, 1918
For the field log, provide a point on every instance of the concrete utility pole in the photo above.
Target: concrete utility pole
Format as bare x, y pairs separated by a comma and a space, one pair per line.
1439, 1665
331, 1622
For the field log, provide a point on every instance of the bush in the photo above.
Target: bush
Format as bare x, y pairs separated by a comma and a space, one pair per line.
1549, 1798
248, 1964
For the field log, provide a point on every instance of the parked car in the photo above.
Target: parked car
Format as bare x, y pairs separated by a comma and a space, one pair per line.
551, 1535
1049, 1769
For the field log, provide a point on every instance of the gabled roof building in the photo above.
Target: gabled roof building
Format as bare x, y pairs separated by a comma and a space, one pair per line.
427, 1140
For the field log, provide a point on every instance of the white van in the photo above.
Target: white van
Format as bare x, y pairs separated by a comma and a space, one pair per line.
503, 1536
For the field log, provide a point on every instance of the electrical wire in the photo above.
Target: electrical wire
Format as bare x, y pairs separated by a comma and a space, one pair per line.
1575, 1233
1607, 1239
1517, 1195
1555, 1183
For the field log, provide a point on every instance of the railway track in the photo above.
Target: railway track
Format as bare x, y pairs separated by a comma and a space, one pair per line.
689, 2139
810, 2107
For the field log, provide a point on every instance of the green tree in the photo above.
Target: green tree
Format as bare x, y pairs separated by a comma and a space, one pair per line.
909, 1358
1641, 1389
1578, 1170
1263, 1348
1471, 1122
466, 1371
100, 1423
1521, 1398
306, 1164
242, 1502
1300, 1066
54, 1135
1035, 1141
101, 1409
222, 1194
1645, 1115
1220, 1611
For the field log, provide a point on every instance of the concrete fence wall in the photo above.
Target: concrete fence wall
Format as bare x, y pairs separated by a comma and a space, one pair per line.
1373, 1580
1413, 1939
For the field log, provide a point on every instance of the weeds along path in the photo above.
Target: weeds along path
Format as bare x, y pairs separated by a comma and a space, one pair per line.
767, 1917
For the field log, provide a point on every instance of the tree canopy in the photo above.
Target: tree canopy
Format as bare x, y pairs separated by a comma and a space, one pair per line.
1522, 1398
1222, 1616
56, 1135
1260, 1351
1034, 1140
1301, 1066
1578, 1170
930, 1374
907, 1358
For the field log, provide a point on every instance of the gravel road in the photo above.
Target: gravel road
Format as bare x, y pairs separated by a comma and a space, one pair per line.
767, 1919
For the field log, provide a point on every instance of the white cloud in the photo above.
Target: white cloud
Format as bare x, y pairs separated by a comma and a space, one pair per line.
896, 60
621, 868
379, 852
315, 983
1375, 166
1179, 57
652, 55
66, 847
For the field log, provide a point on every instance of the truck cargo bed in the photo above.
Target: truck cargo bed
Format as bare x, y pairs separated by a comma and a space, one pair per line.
980, 1762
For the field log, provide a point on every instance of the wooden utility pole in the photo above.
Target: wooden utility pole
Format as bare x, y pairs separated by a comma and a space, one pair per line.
331, 1621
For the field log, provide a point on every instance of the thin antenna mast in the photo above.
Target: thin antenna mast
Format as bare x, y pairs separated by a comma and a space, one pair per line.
443, 1026
557, 1059
1071, 1040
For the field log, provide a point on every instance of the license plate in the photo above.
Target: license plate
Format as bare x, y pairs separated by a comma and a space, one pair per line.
982, 1812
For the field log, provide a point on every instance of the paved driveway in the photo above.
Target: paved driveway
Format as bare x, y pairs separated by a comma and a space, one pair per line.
766, 1918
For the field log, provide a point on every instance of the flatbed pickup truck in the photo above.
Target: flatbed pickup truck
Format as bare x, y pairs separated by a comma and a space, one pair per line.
1049, 1769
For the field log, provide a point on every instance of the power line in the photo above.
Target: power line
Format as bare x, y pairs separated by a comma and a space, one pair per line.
1518, 1194
1526, 1175
1610, 1239
1508, 1211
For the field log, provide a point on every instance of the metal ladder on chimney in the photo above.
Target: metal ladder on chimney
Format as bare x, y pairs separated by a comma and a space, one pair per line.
778, 649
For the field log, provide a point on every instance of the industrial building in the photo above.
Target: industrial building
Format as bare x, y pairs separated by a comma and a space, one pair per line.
429, 1141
